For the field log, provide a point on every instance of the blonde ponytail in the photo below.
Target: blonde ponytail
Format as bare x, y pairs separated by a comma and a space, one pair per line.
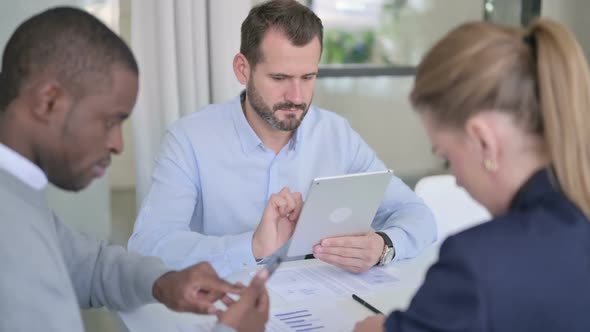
564, 96
539, 76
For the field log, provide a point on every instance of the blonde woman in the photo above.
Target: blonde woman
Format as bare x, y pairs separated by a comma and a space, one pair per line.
509, 109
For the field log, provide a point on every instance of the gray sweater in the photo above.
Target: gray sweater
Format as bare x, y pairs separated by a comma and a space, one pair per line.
49, 270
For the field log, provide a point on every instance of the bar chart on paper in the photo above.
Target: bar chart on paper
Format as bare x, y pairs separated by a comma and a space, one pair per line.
296, 320
288, 320
304, 320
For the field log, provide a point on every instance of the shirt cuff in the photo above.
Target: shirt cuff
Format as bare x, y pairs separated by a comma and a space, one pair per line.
154, 269
399, 238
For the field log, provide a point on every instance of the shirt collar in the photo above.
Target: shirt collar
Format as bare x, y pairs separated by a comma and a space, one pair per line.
299, 131
248, 138
22, 168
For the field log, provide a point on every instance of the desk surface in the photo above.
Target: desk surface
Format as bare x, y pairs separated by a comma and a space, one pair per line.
156, 317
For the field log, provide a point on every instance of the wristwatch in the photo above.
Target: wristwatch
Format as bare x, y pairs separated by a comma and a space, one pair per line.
388, 250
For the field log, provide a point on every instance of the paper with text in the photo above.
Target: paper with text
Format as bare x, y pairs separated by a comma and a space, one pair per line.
302, 283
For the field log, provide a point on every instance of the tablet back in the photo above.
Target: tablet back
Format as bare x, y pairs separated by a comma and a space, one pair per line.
338, 206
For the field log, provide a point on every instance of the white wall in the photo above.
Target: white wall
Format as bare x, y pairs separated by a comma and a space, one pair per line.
378, 109
12, 13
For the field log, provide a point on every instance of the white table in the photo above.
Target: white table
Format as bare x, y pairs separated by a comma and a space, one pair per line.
156, 317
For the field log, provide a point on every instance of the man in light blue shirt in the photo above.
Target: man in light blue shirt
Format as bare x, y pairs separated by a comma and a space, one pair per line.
219, 167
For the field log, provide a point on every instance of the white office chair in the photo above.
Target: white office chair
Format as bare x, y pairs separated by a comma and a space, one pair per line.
451, 205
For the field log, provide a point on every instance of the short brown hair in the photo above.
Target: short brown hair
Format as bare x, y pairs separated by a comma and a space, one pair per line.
299, 23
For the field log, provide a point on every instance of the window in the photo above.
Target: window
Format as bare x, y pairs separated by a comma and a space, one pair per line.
371, 48
387, 32
389, 37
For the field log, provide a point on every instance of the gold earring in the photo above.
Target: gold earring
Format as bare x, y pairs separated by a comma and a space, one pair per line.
490, 165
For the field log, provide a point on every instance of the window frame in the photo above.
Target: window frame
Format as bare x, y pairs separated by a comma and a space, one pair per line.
530, 9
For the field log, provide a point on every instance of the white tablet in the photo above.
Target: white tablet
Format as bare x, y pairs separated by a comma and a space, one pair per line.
338, 206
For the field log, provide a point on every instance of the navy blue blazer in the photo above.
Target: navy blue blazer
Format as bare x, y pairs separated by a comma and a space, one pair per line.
528, 270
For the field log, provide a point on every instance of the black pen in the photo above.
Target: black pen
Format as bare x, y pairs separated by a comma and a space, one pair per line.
366, 305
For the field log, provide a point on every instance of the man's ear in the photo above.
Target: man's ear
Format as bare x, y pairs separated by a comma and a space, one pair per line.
482, 134
48, 100
242, 68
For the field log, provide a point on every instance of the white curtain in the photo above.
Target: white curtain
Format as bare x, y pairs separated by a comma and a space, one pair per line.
185, 50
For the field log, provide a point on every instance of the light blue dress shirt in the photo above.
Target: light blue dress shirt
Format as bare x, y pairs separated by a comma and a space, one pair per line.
214, 176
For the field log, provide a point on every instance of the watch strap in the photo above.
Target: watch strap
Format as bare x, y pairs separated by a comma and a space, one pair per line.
386, 248
386, 239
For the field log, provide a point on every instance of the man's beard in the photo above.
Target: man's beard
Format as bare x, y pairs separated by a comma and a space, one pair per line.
289, 124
